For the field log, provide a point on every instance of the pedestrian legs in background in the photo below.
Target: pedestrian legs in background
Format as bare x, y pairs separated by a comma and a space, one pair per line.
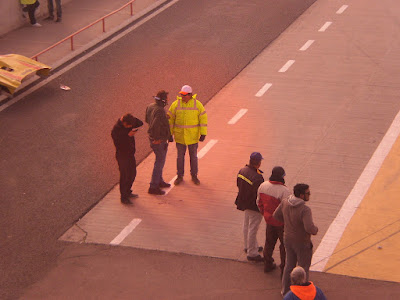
31, 8
50, 7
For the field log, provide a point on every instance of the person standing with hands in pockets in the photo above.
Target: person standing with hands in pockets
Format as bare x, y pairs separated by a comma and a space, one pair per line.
248, 181
298, 228
188, 124
159, 134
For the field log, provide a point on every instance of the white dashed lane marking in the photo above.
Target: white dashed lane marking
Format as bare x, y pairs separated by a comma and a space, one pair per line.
125, 232
342, 9
263, 89
206, 148
237, 116
306, 45
325, 26
287, 66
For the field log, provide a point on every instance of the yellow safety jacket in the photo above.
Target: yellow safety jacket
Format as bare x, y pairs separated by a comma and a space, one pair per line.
27, 1
187, 121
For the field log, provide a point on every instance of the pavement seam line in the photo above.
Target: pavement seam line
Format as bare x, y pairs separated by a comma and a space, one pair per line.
361, 251
364, 238
84, 231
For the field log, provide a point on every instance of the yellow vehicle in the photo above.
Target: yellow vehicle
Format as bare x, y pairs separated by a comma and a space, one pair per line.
14, 68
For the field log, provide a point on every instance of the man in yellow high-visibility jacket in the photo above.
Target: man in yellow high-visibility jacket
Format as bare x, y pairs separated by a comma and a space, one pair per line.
188, 124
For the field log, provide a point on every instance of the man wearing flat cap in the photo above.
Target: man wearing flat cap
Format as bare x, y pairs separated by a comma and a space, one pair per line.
159, 135
188, 125
248, 180
270, 195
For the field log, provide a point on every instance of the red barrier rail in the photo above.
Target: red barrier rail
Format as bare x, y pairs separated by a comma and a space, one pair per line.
71, 37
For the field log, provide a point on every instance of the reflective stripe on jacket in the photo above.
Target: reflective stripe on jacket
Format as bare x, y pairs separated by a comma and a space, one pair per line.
248, 180
187, 121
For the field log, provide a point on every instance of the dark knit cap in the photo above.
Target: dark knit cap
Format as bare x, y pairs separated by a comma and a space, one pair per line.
277, 174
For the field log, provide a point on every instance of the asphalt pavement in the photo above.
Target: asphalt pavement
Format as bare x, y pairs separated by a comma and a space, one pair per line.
62, 157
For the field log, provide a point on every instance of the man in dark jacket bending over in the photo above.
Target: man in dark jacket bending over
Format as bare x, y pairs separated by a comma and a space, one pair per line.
159, 134
123, 135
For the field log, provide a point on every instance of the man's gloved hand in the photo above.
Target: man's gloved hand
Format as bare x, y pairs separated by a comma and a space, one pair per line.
202, 137
170, 139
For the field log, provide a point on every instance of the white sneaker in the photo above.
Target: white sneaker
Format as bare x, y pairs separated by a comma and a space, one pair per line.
36, 25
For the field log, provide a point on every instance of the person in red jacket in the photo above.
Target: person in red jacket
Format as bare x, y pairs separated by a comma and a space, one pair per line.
270, 195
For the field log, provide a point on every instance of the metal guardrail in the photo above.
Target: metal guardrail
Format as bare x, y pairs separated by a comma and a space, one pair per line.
71, 37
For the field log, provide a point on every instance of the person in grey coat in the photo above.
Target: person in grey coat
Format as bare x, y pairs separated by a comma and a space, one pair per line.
298, 228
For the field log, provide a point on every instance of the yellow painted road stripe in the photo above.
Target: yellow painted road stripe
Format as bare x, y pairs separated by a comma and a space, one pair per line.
370, 245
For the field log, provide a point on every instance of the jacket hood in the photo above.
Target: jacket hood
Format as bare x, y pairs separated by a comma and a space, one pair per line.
294, 201
304, 292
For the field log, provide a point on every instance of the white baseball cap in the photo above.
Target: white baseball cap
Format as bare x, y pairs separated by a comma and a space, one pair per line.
186, 89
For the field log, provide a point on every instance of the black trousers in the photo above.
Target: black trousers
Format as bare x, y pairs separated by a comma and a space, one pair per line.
273, 233
31, 11
127, 171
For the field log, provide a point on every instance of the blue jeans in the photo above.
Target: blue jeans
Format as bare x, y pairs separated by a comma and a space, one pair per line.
50, 6
180, 162
160, 150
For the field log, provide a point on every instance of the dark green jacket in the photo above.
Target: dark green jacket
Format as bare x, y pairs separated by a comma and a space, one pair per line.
158, 122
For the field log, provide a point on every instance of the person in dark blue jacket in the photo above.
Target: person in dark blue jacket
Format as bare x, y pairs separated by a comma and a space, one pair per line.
301, 289
249, 179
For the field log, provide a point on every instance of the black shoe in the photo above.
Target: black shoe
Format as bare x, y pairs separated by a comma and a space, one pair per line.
260, 249
257, 258
133, 196
195, 180
126, 201
178, 180
155, 191
269, 268
164, 185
